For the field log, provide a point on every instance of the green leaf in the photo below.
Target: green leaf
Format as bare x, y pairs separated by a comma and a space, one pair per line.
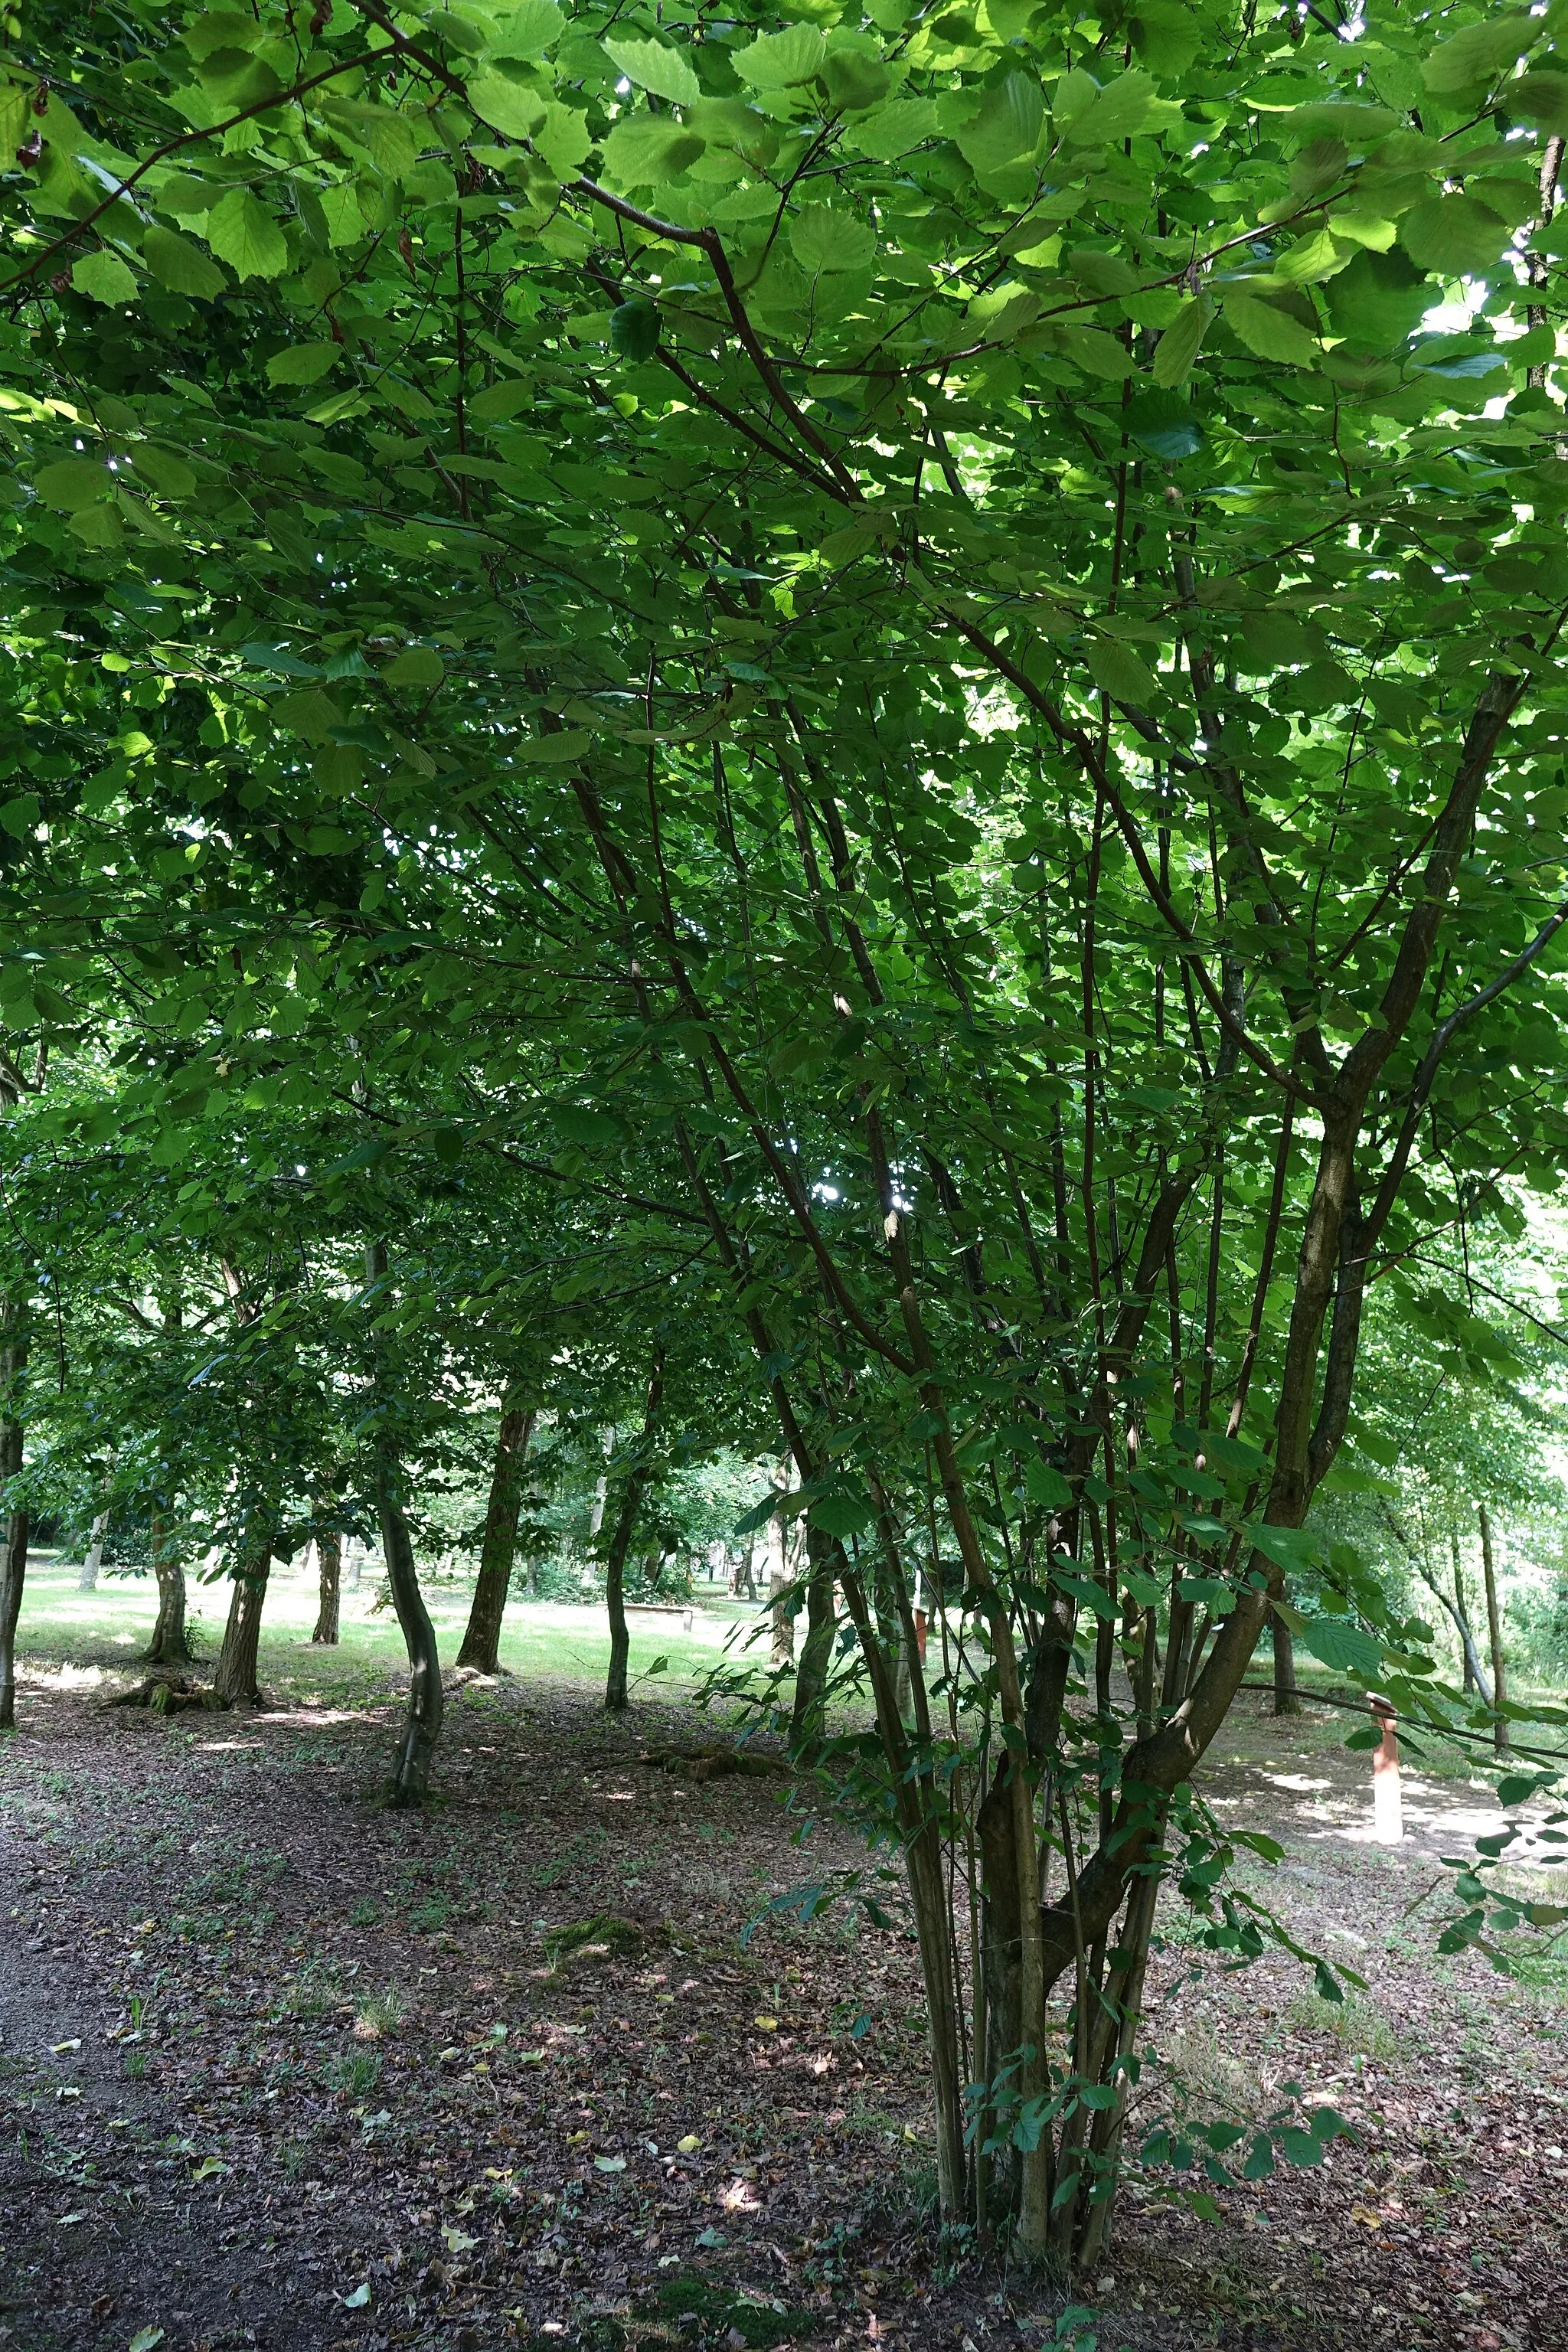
388, 138
1297, 2146
602, 2164
1118, 112
1117, 670
417, 665
72, 483
894, 128
1335, 1642
1164, 424
578, 1124
163, 471
357, 2299
821, 238
1329, 1986
102, 276
529, 31
633, 330
1379, 300
302, 362
563, 139
781, 60
180, 266
500, 401
1178, 346
1541, 96
1269, 333
1098, 353
1474, 57
1457, 236
669, 73
310, 713
1046, 1486
841, 1515
1007, 126
242, 231
506, 105
341, 209
644, 151
553, 751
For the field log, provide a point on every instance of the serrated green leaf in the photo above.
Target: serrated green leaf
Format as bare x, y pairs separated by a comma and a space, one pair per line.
1007, 125
1117, 670
634, 330
1118, 112
528, 32
782, 60
1164, 424
841, 1515
506, 105
893, 130
72, 483
163, 471
242, 231
644, 151
1473, 57
1541, 96
1335, 1642
344, 219
667, 72
102, 276
821, 238
1457, 236
388, 137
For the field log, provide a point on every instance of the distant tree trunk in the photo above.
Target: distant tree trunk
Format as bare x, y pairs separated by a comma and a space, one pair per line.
88, 1580
1465, 1645
745, 1574
778, 1580
481, 1642
13, 1544
356, 1562
615, 1693
236, 1680
330, 1568
1285, 1699
1494, 1629
816, 1651
170, 1645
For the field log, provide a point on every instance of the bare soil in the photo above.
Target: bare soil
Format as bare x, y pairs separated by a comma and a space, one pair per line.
278, 2068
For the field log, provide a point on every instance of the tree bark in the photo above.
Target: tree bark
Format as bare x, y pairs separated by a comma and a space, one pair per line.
330, 1568
816, 1651
1494, 1629
426, 1700
88, 1580
1466, 1645
236, 1678
482, 1642
778, 1580
170, 1645
1285, 1699
13, 1544
615, 1692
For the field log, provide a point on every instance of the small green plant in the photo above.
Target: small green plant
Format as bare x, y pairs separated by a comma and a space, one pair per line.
380, 2012
428, 1918
357, 2073
311, 1993
135, 2066
366, 1914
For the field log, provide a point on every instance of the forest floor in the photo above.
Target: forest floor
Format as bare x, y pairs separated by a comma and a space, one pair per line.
281, 2069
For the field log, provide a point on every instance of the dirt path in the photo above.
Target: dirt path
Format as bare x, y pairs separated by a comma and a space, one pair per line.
280, 2069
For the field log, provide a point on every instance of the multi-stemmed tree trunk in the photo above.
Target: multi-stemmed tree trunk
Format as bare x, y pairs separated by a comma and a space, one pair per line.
482, 1642
616, 1697
330, 1571
13, 1523
235, 1681
170, 1644
1494, 1629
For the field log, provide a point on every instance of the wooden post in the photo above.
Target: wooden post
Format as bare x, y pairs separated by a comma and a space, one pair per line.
1387, 1799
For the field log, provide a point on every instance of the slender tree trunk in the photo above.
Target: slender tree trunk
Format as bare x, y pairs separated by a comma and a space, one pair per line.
816, 1650
14, 1542
615, 1692
1464, 1615
329, 1570
170, 1645
236, 1680
426, 1700
745, 1574
1285, 1699
481, 1642
1494, 1629
88, 1580
778, 1581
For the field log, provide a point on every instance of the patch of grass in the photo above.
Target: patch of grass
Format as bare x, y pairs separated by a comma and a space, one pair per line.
1355, 2021
381, 2013
357, 2073
601, 1938
720, 2313
311, 1993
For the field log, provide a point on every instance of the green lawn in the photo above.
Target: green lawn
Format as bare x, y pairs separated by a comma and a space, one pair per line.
106, 1629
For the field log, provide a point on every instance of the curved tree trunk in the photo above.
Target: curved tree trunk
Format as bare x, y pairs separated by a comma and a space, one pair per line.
170, 1645
13, 1545
235, 1681
427, 1701
330, 1566
482, 1642
1461, 1612
1285, 1699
